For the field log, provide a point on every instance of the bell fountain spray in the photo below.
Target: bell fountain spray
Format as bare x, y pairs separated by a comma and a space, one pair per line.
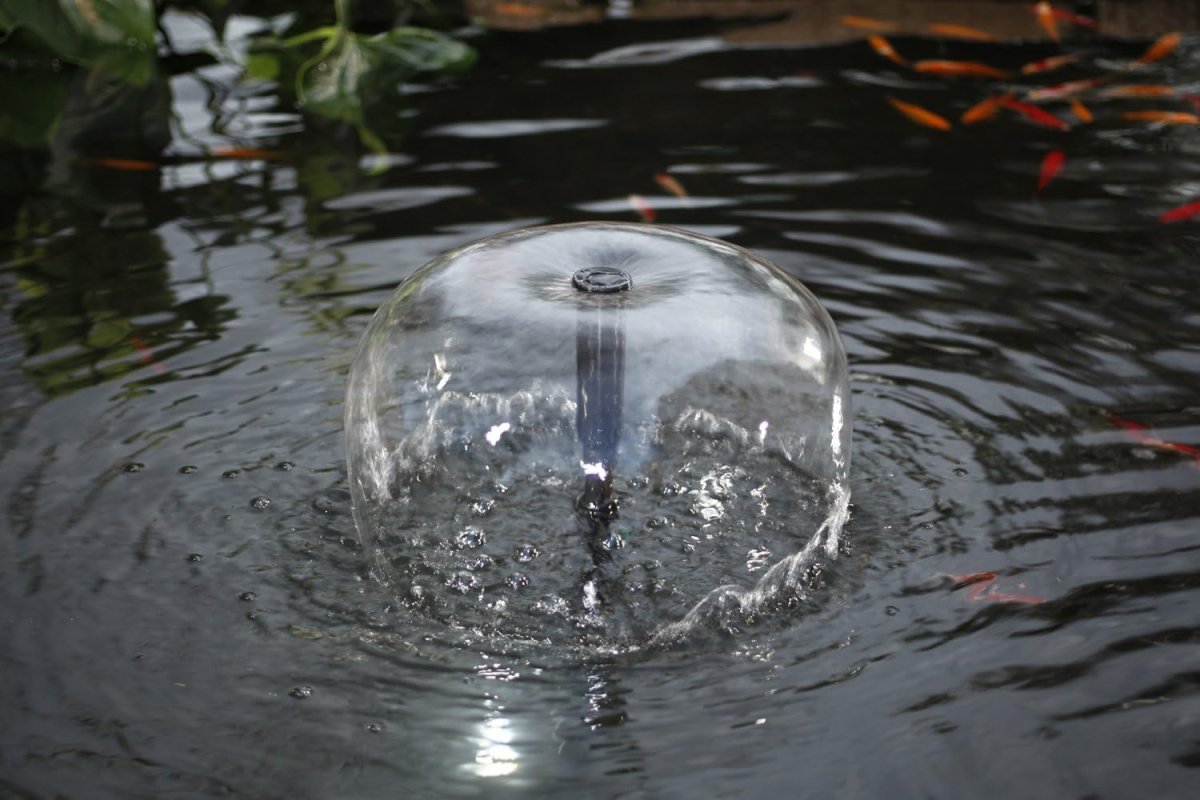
598, 435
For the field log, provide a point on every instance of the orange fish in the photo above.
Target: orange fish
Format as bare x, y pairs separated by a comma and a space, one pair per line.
1138, 90
960, 32
971, 69
867, 24
994, 596
1177, 214
1035, 115
1194, 100
127, 164
1052, 164
1048, 64
1078, 20
983, 588
1061, 91
519, 10
644, 209
145, 354
1161, 48
671, 185
921, 116
1045, 17
244, 153
984, 110
884, 48
1166, 117
1080, 111
1136, 429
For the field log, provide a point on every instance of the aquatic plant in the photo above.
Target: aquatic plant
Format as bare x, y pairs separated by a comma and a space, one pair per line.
336, 72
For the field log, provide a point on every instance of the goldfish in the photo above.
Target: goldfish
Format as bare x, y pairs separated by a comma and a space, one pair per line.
1161, 48
1052, 164
994, 596
1165, 117
884, 48
145, 354
1049, 64
127, 164
984, 110
670, 184
244, 153
959, 68
1177, 214
1045, 17
867, 24
1060, 91
1035, 115
1078, 20
1136, 429
1194, 100
1080, 111
519, 10
1138, 90
921, 116
644, 209
960, 32
983, 588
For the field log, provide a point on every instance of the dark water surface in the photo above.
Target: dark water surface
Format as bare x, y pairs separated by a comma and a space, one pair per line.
186, 610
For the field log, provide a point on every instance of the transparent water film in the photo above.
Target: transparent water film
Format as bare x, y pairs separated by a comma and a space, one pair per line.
599, 433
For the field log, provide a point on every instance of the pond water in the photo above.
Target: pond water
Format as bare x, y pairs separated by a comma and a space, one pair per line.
187, 610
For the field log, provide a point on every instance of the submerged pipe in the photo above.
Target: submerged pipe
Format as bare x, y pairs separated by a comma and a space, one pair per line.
600, 386
599, 395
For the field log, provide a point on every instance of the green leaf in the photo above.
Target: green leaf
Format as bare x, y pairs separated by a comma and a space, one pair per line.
262, 66
328, 84
352, 72
417, 50
113, 35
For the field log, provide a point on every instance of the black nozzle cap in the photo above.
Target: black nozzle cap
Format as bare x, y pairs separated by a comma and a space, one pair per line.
602, 280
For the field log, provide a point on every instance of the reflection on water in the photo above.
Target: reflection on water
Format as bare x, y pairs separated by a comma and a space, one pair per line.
174, 345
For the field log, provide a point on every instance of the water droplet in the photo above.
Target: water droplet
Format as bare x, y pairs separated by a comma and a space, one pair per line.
470, 537
375, 727
286, 466
187, 469
891, 611
463, 583
134, 466
483, 507
194, 557
527, 553
959, 472
657, 522
517, 581
231, 473
247, 596
301, 692
478, 562
260, 503
252, 615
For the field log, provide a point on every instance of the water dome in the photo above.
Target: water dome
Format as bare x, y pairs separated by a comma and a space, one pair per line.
597, 432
